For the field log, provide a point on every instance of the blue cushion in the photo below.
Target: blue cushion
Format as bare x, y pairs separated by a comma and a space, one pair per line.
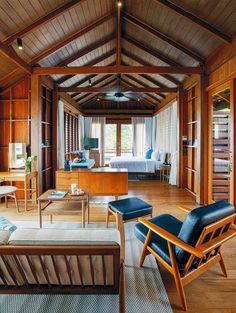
196, 220
148, 153
157, 243
7, 225
131, 208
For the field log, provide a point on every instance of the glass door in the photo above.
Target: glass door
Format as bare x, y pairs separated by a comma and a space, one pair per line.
221, 145
110, 141
126, 139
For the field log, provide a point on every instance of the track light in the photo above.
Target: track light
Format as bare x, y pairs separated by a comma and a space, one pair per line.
19, 43
139, 99
98, 99
119, 4
90, 82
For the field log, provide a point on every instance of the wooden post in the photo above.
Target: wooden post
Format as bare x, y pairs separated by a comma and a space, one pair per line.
54, 131
36, 127
233, 143
180, 122
202, 151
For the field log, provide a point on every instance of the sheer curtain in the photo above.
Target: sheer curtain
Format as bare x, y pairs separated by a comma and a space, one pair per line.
60, 135
139, 136
167, 137
148, 131
98, 131
81, 132
87, 127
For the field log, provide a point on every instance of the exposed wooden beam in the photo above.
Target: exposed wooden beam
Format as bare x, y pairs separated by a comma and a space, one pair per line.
158, 34
145, 63
58, 45
86, 50
117, 69
43, 20
196, 20
106, 90
118, 38
103, 57
117, 111
150, 96
151, 51
11, 55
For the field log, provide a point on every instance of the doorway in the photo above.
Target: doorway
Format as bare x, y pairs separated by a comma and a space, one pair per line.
221, 144
118, 139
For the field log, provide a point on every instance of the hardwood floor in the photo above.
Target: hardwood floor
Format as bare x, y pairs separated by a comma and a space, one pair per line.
211, 292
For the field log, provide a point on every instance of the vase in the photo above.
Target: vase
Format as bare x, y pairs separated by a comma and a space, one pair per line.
27, 167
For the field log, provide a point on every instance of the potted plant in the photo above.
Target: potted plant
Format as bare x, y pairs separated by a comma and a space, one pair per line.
27, 163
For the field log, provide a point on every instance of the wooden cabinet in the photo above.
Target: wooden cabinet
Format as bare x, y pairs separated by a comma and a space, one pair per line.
95, 155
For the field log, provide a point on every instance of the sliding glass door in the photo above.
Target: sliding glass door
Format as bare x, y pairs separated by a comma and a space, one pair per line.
118, 140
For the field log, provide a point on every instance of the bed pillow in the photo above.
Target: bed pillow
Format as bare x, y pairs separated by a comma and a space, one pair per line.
148, 153
162, 156
155, 155
5, 224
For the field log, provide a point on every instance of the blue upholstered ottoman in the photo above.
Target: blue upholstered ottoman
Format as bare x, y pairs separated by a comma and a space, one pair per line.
126, 210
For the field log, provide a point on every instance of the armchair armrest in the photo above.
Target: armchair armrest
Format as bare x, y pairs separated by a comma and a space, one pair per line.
184, 208
172, 238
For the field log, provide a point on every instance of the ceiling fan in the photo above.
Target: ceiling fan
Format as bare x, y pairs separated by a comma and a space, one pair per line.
118, 94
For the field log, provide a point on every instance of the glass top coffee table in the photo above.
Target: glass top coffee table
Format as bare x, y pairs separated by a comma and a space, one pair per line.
68, 205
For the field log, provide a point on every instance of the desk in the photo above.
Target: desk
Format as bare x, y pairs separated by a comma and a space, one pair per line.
68, 205
23, 177
89, 163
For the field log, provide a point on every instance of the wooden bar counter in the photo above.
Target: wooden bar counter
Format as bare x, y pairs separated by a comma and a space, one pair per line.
98, 181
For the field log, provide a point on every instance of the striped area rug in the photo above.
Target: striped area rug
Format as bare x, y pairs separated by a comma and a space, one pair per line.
145, 292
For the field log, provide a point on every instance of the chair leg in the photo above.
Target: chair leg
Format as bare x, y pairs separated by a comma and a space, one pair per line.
222, 265
107, 217
120, 227
16, 202
145, 252
122, 290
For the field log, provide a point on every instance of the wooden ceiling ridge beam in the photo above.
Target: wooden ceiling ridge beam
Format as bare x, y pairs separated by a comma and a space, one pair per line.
129, 84
86, 50
43, 20
117, 69
196, 20
100, 80
118, 36
62, 43
151, 51
103, 57
143, 25
145, 63
106, 90
11, 55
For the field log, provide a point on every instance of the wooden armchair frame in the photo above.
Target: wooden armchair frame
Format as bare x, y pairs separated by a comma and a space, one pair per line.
118, 286
207, 251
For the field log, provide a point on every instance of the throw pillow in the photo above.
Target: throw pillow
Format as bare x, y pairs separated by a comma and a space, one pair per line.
148, 153
5, 224
154, 155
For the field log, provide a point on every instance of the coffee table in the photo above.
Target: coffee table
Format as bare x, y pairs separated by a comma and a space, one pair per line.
68, 205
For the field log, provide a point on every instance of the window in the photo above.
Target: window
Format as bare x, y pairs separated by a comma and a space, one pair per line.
71, 132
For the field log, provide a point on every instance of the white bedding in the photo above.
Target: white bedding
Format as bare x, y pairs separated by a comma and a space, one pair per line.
135, 164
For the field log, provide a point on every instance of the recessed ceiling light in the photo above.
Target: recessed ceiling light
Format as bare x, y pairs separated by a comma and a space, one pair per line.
19, 43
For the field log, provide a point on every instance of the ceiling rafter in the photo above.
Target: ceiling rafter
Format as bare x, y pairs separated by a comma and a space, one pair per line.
43, 20
117, 69
143, 25
196, 20
89, 89
151, 51
145, 63
11, 55
103, 57
86, 50
62, 43
137, 81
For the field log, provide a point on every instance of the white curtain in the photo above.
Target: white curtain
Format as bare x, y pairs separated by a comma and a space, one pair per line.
87, 127
174, 145
98, 131
60, 135
148, 131
154, 126
81, 132
167, 137
139, 136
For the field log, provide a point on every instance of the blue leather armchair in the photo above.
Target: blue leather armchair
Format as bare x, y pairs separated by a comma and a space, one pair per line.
188, 248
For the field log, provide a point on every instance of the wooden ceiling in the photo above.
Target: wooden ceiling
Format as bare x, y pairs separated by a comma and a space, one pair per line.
153, 43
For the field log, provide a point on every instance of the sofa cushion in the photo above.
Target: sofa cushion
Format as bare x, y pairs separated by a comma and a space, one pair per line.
7, 225
64, 237
130, 208
157, 243
196, 220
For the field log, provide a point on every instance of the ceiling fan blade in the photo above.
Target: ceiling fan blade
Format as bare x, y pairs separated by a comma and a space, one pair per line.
121, 99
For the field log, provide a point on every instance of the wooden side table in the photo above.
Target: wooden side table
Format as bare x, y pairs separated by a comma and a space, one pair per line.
68, 205
165, 172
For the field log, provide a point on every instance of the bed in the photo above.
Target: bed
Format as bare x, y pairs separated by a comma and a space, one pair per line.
135, 164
